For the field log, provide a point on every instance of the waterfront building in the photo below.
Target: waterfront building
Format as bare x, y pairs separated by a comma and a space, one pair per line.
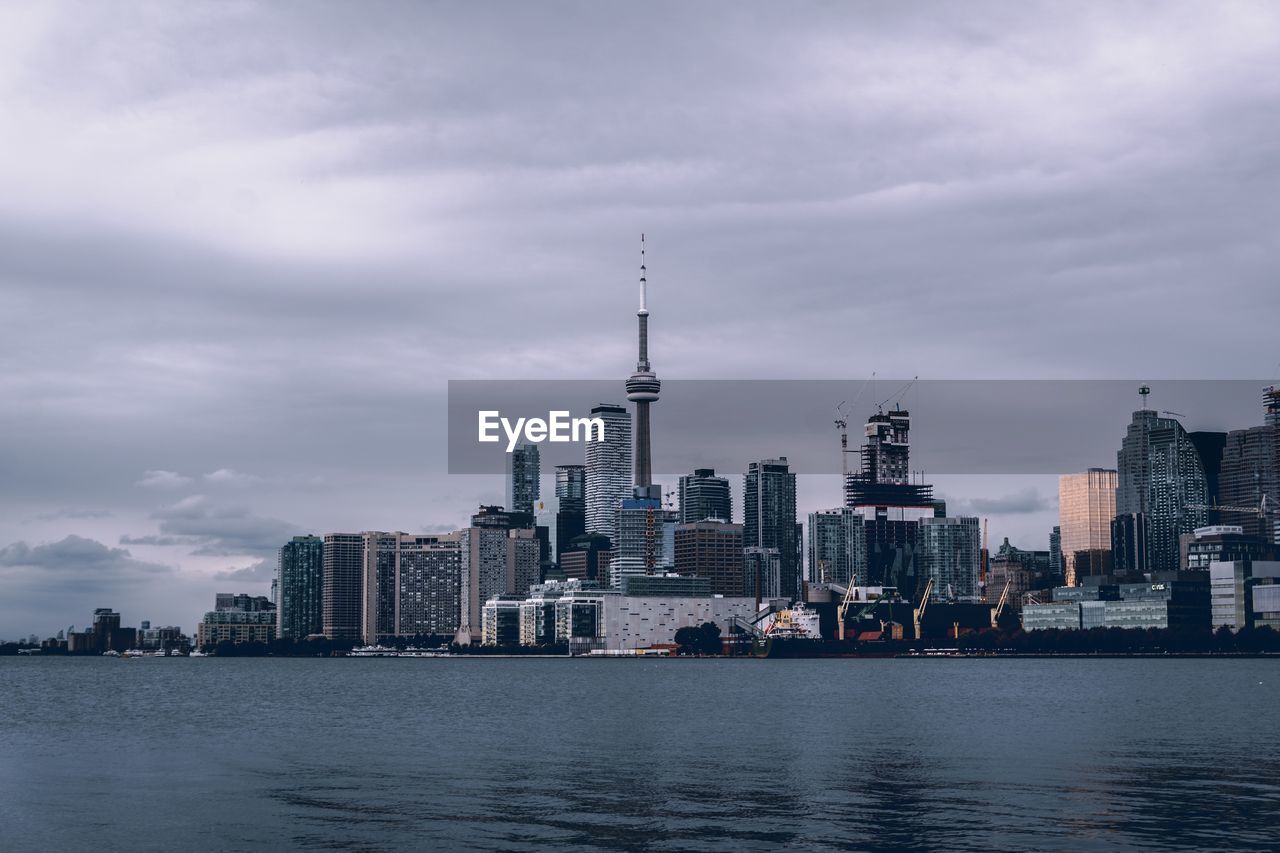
495, 560
1177, 600
300, 588
608, 470
1245, 594
237, 619
379, 586
343, 586
1086, 505
501, 620
588, 618
769, 518
1162, 479
837, 547
705, 496
428, 584
524, 475
950, 553
645, 542
711, 550
762, 576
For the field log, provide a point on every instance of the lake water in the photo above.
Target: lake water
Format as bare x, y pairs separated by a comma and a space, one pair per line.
400, 754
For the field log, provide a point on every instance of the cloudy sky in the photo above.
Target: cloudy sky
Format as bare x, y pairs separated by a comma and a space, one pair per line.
244, 246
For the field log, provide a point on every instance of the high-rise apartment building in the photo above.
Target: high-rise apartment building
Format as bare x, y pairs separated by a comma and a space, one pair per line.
769, 517
608, 470
1162, 478
712, 550
1086, 505
762, 573
412, 585
1056, 567
1249, 480
495, 560
703, 495
837, 547
570, 519
343, 585
524, 472
951, 553
645, 541
300, 576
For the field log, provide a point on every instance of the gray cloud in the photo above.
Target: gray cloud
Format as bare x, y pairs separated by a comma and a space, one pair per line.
159, 479
77, 558
257, 572
221, 529
1028, 500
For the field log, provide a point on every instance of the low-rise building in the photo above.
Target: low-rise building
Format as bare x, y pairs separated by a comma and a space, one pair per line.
1178, 600
1245, 594
237, 619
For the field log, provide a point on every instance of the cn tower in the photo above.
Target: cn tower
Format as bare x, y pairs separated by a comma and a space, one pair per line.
642, 389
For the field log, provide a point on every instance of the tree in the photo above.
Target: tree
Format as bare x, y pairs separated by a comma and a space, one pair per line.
709, 638
688, 640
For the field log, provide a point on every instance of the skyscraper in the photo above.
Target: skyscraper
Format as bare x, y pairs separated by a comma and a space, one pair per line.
571, 513
412, 585
1162, 478
703, 495
608, 474
950, 552
497, 558
893, 506
1086, 505
769, 517
1055, 552
645, 540
713, 550
1250, 473
837, 547
642, 389
378, 593
300, 611
343, 585
523, 477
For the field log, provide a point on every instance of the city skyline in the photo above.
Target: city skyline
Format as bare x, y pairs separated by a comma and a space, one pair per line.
225, 327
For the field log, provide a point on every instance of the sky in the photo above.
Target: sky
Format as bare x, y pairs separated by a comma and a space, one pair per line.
244, 246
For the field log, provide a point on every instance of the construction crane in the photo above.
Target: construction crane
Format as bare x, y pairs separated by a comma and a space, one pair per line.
999, 608
842, 424
897, 395
1260, 509
924, 603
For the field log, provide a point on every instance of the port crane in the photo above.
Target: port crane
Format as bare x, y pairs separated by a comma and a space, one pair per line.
924, 603
850, 599
999, 608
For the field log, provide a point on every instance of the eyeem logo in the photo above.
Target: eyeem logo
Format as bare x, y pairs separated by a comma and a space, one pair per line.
558, 427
